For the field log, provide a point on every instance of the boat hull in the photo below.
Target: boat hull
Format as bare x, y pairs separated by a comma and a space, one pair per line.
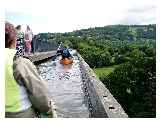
66, 61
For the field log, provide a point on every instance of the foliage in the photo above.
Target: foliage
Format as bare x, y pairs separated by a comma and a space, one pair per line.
133, 84
123, 56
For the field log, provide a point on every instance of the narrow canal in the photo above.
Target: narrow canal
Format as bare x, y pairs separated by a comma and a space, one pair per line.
65, 85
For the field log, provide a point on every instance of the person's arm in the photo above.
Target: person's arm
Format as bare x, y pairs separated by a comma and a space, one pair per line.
26, 74
32, 34
23, 36
59, 52
69, 53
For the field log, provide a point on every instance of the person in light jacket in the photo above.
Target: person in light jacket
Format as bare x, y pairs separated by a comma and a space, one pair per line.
25, 91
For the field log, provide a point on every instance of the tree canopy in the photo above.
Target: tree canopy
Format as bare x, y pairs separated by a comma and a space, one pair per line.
132, 49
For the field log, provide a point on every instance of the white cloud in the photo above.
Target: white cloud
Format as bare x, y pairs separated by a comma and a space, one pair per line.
68, 15
140, 15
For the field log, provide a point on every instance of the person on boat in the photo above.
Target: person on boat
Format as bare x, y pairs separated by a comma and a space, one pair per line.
64, 53
25, 91
66, 56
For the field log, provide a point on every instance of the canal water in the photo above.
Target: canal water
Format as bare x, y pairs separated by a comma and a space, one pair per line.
65, 85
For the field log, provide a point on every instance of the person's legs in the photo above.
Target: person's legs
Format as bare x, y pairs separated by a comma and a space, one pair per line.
63, 57
25, 47
32, 46
29, 47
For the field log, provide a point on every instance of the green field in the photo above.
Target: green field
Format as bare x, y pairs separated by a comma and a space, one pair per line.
102, 72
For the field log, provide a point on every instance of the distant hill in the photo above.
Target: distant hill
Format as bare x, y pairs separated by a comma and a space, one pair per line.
111, 32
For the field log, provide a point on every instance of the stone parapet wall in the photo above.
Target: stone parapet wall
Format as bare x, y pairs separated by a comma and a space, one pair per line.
102, 102
42, 45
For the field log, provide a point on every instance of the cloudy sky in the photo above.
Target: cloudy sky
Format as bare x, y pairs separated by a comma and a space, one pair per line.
69, 15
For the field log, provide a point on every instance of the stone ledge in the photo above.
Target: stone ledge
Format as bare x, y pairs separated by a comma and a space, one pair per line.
103, 102
40, 56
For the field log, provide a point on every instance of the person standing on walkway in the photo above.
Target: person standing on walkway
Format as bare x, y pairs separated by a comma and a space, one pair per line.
28, 39
20, 41
25, 91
